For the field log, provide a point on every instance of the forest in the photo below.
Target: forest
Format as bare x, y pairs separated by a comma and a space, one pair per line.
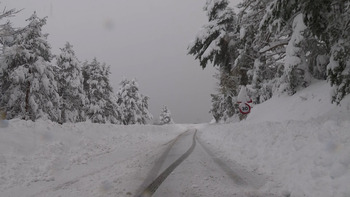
273, 47
267, 48
36, 84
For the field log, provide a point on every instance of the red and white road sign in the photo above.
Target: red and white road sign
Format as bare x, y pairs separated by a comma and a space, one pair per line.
245, 108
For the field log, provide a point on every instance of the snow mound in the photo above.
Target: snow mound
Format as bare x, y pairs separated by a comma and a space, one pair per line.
301, 142
309, 103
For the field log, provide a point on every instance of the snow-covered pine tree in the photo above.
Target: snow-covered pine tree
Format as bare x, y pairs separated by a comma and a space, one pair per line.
70, 86
262, 81
7, 33
223, 107
224, 101
338, 69
132, 104
6, 37
102, 106
213, 42
218, 42
217, 110
260, 65
327, 23
165, 116
296, 71
31, 90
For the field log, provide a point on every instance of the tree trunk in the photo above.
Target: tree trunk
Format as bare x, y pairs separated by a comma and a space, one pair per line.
27, 115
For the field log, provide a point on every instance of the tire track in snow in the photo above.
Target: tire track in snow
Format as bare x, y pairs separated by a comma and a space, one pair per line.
157, 166
234, 176
236, 173
152, 188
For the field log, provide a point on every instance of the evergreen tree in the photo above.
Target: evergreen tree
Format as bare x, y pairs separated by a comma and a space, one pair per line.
218, 42
327, 25
165, 116
7, 33
29, 87
6, 38
70, 87
102, 106
275, 46
257, 60
296, 73
338, 69
223, 107
224, 101
132, 104
213, 42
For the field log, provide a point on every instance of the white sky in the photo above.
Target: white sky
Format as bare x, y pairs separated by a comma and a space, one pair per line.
146, 40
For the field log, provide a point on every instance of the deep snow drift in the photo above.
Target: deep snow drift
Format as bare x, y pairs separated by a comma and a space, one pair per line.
301, 143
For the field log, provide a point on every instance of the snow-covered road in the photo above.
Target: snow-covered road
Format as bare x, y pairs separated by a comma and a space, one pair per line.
113, 168
197, 171
172, 157
46, 159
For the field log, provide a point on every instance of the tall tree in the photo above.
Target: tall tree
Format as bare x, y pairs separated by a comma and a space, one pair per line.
132, 104
224, 101
7, 33
218, 42
70, 86
30, 91
259, 50
338, 69
296, 72
102, 106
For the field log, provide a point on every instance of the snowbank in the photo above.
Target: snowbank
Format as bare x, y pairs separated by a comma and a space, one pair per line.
301, 142
310, 103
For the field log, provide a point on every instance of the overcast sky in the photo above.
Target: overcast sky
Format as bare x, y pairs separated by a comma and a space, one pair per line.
142, 39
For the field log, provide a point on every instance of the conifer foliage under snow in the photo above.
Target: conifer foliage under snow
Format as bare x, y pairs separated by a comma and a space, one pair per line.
70, 86
29, 88
32, 87
212, 42
277, 46
165, 116
102, 106
132, 104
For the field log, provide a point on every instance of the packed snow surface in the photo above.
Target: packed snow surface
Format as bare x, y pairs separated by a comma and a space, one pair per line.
301, 144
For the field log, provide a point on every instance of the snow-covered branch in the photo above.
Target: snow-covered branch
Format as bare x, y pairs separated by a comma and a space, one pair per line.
274, 45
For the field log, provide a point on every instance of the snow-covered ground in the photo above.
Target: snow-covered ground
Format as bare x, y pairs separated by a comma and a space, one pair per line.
300, 143
44, 158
